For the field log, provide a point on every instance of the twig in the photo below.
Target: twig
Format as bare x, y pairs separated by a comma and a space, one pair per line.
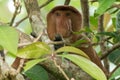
106, 39
17, 10
85, 12
20, 65
56, 42
46, 3
23, 44
61, 70
39, 36
114, 6
67, 2
92, 1
102, 44
107, 52
117, 6
72, 79
17, 23
114, 70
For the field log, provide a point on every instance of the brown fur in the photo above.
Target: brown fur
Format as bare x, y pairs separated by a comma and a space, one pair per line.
64, 20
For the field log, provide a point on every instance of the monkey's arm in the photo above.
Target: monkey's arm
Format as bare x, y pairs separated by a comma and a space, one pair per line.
89, 50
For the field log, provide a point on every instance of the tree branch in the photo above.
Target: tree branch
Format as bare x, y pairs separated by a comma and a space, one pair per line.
118, 66
85, 12
17, 10
17, 23
46, 3
60, 69
102, 44
8, 73
67, 2
107, 52
33, 11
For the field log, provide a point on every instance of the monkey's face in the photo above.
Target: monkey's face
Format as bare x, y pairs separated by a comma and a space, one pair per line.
62, 21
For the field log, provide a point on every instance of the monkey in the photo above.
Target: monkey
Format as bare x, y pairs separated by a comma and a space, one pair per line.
62, 22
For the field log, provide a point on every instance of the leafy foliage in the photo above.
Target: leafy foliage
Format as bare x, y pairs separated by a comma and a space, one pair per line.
83, 63
114, 56
115, 35
32, 63
118, 21
37, 73
72, 50
115, 75
104, 5
35, 50
8, 38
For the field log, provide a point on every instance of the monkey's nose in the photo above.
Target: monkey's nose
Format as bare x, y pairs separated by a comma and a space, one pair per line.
58, 37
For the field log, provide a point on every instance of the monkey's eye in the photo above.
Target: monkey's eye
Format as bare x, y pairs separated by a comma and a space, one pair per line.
57, 14
67, 14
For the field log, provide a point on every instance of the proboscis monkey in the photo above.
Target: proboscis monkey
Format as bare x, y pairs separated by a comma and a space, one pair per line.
62, 21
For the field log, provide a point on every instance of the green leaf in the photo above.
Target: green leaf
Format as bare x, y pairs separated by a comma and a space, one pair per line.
8, 38
73, 50
115, 75
114, 21
78, 42
104, 5
88, 66
115, 35
32, 63
114, 56
37, 73
111, 34
93, 21
35, 50
88, 30
118, 21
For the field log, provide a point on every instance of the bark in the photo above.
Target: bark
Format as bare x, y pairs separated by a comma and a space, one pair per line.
8, 73
33, 11
85, 13
103, 44
72, 70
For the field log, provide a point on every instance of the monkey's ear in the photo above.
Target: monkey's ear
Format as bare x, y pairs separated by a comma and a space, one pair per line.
51, 26
76, 20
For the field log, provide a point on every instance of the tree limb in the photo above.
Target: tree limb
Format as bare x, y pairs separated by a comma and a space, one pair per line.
107, 52
67, 2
